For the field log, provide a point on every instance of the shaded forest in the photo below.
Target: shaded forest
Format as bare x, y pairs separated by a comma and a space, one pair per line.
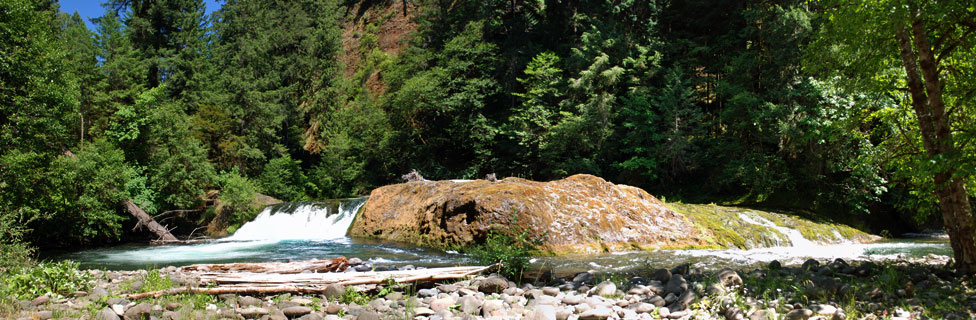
799, 104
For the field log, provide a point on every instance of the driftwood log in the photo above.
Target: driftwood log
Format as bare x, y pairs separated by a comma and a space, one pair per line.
317, 266
304, 283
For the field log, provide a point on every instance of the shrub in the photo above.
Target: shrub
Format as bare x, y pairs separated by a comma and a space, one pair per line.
512, 246
237, 194
55, 279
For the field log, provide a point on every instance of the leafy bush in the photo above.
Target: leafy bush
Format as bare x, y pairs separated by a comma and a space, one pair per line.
237, 195
511, 246
55, 279
283, 179
14, 252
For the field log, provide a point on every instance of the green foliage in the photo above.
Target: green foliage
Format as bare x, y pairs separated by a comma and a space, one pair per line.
155, 281
55, 279
237, 195
283, 179
511, 246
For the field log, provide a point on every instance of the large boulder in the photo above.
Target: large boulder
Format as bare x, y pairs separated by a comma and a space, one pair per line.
581, 213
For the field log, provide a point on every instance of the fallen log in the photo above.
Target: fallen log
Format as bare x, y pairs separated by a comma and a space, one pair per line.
147, 221
308, 283
317, 266
172, 242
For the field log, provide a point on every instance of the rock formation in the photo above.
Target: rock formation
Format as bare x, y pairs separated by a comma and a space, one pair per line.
581, 213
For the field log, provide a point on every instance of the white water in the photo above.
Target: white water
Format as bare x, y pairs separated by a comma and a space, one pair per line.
799, 248
307, 222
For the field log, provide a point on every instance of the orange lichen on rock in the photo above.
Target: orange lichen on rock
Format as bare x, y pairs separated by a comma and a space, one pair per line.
578, 214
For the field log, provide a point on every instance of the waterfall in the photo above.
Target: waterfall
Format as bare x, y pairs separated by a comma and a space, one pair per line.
301, 221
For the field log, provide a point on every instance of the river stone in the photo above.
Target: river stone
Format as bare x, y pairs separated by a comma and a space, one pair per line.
333, 308
442, 304
600, 313
823, 309
173, 306
427, 292
254, 312
490, 306
810, 265
423, 311
798, 314
584, 277
470, 304
394, 296
287, 304
644, 307
97, 293
681, 269
379, 305
766, 314
604, 289
106, 314
572, 299
369, 315
333, 290
43, 315
249, 301
662, 275
448, 288
664, 312
139, 311
493, 284
683, 301
728, 278
677, 284
296, 311
551, 291
40, 300
657, 301
542, 312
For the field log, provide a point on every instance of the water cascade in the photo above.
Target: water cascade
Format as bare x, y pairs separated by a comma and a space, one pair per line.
301, 221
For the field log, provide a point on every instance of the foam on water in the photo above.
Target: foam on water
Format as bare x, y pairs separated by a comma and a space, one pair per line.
307, 222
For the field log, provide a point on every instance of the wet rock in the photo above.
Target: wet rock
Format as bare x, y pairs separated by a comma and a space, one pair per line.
681, 269
354, 261
662, 275
683, 301
728, 278
657, 301
106, 314
774, 265
493, 284
296, 311
677, 284
584, 278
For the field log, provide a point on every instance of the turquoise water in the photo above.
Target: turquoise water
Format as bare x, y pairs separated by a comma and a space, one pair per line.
316, 230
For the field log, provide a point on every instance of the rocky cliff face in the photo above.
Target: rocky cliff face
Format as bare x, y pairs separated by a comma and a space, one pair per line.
581, 213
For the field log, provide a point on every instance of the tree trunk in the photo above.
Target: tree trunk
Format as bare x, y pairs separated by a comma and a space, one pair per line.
147, 221
937, 139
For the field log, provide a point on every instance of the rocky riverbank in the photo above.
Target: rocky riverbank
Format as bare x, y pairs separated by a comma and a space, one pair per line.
815, 290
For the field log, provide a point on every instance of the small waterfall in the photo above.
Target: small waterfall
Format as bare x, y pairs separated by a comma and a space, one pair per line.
301, 221
794, 236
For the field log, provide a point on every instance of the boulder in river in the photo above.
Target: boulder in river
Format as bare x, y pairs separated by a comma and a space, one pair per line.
581, 213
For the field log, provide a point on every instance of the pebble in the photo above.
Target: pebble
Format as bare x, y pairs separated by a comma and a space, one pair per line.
40, 300
296, 311
596, 314
493, 284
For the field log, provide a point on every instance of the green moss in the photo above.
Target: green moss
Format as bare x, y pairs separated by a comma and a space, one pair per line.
723, 227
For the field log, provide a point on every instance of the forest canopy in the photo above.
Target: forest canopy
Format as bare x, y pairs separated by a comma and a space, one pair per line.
801, 104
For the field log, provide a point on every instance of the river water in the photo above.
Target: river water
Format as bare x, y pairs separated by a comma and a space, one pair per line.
316, 230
